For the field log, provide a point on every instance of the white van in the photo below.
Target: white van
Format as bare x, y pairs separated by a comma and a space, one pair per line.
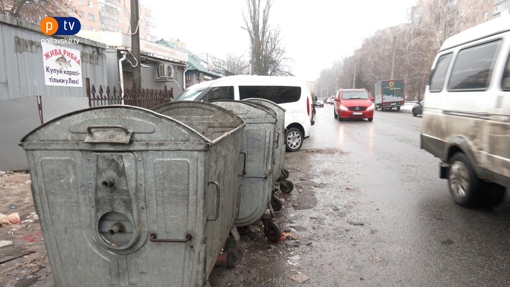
466, 113
291, 94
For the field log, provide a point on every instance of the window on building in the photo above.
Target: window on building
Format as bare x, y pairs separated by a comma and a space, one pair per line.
91, 4
91, 17
485, 15
439, 73
473, 67
92, 29
469, 8
461, 25
120, 30
461, 12
486, 1
80, 13
80, 1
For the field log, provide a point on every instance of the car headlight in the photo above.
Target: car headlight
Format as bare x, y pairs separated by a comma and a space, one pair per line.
371, 107
343, 108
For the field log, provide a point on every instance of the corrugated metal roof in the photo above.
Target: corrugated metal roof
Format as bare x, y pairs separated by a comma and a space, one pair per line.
194, 62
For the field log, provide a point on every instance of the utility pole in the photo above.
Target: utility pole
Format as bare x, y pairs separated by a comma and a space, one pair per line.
354, 77
135, 43
393, 60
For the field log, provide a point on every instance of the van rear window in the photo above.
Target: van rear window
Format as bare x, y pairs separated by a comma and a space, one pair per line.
277, 94
473, 67
439, 73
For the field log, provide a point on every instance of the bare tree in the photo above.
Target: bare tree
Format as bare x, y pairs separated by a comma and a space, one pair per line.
35, 10
267, 51
237, 65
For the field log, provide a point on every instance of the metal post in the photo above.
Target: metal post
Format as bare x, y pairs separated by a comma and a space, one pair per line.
393, 60
135, 43
354, 78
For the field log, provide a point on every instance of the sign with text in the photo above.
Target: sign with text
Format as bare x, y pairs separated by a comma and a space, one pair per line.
162, 51
62, 66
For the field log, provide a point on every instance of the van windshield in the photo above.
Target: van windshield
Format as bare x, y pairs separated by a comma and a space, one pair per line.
355, 95
189, 95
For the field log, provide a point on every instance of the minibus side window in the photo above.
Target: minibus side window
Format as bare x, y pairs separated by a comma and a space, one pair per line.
439, 73
473, 67
277, 94
219, 93
505, 82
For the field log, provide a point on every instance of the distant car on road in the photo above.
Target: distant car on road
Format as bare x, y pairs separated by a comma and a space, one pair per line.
418, 109
319, 103
353, 104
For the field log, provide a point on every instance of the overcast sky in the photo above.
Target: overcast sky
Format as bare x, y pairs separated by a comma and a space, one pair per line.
315, 32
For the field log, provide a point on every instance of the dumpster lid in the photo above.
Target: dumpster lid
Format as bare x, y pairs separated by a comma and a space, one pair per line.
277, 106
90, 124
249, 111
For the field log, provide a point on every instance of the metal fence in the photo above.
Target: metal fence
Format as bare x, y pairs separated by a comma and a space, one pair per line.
145, 98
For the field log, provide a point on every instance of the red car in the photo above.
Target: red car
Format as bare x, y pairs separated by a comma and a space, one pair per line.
353, 104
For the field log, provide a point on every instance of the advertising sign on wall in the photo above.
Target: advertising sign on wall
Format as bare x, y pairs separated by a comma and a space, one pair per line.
62, 66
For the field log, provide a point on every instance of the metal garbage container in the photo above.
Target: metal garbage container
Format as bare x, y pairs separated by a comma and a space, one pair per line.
130, 197
280, 174
259, 134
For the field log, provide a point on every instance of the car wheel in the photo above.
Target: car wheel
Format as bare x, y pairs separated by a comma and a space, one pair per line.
414, 113
398, 108
370, 119
464, 185
294, 139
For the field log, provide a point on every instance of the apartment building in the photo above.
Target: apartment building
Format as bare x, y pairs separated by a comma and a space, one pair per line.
450, 17
112, 16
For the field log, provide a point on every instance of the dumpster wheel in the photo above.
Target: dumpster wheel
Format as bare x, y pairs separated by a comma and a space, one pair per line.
231, 259
272, 232
276, 203
284, 174
286, 186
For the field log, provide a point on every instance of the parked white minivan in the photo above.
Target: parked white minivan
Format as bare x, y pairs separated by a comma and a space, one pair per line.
466, 113
289, 93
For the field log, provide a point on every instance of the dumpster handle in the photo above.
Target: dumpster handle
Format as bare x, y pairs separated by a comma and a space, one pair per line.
154, 238
217, 215
277, 140
89, 129
244, 161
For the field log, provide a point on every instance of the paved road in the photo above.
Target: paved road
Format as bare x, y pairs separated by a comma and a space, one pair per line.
370, 210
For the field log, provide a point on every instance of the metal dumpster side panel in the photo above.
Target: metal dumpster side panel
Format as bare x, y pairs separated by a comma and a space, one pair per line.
209, 120
279, 163
223, 166
175, 205
258, 144
66, 235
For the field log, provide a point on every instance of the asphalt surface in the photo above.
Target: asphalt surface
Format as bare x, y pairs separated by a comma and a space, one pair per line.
368, 209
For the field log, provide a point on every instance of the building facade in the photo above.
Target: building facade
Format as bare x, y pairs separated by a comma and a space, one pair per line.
112, 16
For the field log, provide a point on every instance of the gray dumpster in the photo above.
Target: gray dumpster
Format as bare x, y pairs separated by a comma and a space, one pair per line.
129, 197
280, 174
259, 145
